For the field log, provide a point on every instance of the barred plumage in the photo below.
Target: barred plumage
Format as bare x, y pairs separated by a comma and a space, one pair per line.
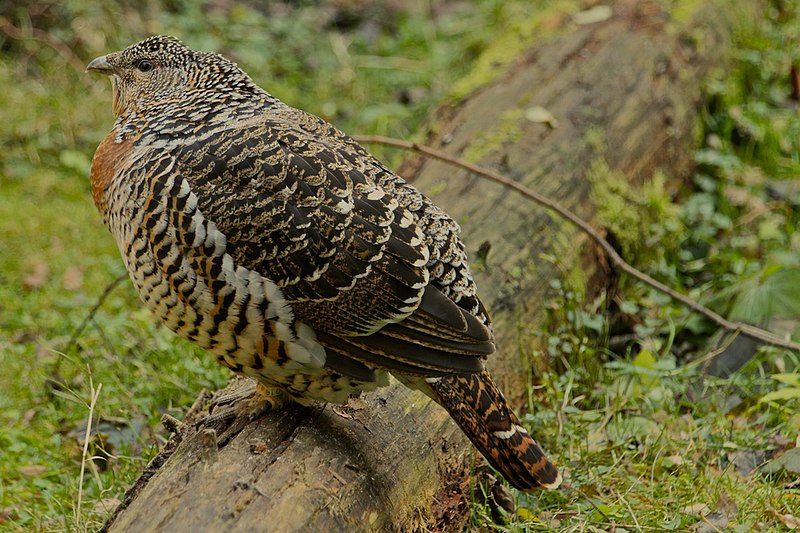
273, 240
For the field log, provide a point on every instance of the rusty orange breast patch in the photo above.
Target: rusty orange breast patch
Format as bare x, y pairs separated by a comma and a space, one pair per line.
105, 163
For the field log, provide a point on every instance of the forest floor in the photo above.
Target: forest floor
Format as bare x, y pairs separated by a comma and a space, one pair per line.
651, 436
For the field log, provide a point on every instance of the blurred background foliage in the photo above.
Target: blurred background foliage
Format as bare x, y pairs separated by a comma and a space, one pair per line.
369, 66
624, 373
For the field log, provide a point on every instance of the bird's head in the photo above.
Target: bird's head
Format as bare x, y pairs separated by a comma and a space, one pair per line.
160, 70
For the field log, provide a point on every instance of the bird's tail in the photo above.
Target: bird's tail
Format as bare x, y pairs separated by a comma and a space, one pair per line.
479, 408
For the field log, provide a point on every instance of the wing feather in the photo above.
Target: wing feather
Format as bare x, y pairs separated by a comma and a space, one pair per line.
351, 261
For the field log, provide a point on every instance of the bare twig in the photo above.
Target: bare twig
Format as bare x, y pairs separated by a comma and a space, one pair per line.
90, 316
739, 327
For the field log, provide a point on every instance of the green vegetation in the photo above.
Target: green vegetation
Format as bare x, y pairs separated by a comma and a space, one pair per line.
651, 440
648, 440
372, 69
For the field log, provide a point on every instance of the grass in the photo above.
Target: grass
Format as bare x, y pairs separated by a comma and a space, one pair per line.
651, 444
373, 70
648, 443
648, 439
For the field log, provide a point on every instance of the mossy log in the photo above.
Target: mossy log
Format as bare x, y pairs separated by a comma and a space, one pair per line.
623, 92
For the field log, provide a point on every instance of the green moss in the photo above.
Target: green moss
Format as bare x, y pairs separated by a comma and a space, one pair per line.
611, 194
509, 130
684, 10
629, 212
522, 30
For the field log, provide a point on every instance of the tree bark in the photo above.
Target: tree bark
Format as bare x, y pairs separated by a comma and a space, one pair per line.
623, 90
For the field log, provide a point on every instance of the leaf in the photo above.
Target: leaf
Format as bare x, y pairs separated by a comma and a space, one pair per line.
745, 462
32, 470
790, 521
713, 158
788, 462
603, 510
726, 505
672, 461
784, 325
525, 515
647, 364
593, 15
696, 509
540, 115
596, 439
645, 359
775, 291
591, 321
780, 394
624, 429
710, 523
552, 521
741, 196
792, 379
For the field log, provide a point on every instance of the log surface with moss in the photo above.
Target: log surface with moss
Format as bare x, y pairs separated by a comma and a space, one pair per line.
585, 113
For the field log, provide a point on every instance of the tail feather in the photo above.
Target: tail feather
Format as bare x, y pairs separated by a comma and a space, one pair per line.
480, 410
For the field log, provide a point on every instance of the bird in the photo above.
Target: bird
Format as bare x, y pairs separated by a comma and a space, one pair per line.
276, 242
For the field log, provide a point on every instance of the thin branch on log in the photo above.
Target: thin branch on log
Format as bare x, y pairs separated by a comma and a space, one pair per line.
733, 326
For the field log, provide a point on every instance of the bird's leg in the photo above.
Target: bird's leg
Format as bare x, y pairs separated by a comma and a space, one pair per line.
239, 404
246, 401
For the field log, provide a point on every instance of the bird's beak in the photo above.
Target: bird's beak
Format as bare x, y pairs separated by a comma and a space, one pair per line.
100, 65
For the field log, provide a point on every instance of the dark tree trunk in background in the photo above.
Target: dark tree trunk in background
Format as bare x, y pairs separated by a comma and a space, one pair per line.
624, 91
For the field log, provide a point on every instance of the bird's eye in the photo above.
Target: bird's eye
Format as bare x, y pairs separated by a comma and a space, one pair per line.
144, 65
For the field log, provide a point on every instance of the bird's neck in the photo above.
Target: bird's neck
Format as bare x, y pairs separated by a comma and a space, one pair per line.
185, 114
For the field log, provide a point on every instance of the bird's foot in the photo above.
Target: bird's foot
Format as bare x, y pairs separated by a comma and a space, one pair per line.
250, 400
236, 406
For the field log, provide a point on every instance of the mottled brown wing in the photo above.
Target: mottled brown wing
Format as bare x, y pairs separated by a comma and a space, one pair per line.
350, 260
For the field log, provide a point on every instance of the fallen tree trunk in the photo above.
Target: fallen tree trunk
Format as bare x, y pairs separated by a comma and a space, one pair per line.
623, 91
